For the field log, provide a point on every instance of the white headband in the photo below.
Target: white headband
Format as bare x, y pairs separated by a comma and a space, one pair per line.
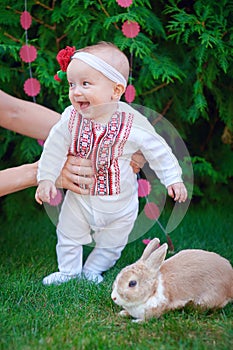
100, 65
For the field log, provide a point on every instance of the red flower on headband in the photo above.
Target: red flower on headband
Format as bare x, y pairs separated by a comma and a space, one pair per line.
63, 57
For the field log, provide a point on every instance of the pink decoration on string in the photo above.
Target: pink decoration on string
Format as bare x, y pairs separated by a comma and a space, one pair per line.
41, 142
130, 29
32, 87
28, 53
152, 211
124, 3
146, 241
57, 199
25, 20
144, 188
130, 93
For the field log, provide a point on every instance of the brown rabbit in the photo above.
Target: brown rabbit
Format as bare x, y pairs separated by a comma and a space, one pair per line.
151, 286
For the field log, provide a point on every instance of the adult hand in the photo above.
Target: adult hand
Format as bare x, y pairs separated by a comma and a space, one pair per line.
76, 175
138, 161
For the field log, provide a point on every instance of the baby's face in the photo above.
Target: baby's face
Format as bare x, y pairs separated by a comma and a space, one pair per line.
91, 93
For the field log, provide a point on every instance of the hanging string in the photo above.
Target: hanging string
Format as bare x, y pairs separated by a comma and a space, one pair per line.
28, 54
130, 91
131, 68
130, 29
29, 63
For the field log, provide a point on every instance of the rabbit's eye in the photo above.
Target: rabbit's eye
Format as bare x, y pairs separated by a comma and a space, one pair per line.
132, 283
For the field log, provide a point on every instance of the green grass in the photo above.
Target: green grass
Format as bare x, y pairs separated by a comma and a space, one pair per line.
82, 315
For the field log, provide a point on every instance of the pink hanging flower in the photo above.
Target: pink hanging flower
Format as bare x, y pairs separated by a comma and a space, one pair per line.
63, 57
146, 241
32, 87
152, 211
25, 20
130, 29
124, 3
40, 142
57, 200
28, 53
130, 93
144, 188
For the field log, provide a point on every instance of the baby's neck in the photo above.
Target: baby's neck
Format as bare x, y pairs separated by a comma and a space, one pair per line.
104, 113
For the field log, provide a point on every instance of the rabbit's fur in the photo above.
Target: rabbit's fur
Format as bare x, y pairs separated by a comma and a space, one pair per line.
152, 286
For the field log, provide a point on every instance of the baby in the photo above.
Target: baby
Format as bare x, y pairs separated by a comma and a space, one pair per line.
99, 127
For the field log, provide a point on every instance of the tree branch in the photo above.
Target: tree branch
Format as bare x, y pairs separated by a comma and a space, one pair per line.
35, 19
45, 6
154, 89
106, 13
12, 37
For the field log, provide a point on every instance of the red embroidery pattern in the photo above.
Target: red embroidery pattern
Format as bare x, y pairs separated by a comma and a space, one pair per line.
85, 138
74, 127
103, 155
103, 147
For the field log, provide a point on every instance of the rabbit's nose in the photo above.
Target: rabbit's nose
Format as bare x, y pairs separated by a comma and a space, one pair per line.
113, 296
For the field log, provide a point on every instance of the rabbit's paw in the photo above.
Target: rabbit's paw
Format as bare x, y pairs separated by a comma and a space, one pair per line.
138, 320
124, 313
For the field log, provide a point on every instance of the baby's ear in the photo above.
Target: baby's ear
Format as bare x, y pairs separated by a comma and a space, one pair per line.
118, 91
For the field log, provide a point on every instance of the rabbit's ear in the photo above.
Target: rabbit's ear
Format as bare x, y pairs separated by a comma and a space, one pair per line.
156, 258
150, 248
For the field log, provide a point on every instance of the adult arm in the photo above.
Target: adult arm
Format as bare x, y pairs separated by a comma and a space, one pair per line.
17, 178
75, 173
25, 117
35, 121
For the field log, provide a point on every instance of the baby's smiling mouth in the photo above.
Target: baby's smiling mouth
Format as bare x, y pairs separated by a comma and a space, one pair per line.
84, 105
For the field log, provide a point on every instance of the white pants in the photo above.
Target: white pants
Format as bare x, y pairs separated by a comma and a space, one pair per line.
110, 234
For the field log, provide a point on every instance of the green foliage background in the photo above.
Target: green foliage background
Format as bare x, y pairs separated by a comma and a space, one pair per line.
182, 67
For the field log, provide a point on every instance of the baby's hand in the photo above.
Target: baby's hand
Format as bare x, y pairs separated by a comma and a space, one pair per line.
45, 191
178, 192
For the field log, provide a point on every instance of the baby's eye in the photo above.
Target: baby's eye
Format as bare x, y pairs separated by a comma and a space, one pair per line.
132, 283
71, 85
86, 83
